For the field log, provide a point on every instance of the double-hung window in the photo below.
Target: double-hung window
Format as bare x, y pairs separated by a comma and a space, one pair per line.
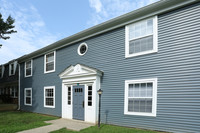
28, 96
140, 97
28, 68
49, 96
141, 37
49, 62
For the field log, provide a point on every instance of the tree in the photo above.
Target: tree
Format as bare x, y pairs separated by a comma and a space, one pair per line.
6, 27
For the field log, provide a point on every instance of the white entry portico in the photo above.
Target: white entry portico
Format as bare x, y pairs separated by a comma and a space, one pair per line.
80, 79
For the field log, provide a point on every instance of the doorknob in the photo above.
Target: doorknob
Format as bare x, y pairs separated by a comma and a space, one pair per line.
83, 104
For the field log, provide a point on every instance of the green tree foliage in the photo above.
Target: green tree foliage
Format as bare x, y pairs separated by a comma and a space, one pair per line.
6, 27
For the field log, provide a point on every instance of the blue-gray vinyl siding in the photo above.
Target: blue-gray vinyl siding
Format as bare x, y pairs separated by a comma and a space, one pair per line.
176, 65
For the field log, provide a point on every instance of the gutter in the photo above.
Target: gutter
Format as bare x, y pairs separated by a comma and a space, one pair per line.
19, 89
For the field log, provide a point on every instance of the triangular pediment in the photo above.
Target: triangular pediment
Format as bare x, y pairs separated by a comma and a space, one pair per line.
79, 70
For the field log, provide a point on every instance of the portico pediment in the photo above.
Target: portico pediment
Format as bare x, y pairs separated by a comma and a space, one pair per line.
79, 70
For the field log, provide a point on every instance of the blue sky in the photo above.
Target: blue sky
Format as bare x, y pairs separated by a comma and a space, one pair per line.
42, 22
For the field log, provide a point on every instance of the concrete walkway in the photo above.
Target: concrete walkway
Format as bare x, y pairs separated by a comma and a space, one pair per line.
58, 124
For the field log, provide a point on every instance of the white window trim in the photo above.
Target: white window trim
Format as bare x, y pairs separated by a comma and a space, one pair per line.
154, 102
10, 74
25, 96
31, 68
54, 63
155, 39
49, 87
78, 50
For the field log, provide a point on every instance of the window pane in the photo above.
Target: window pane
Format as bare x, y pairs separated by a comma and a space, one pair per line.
136, 105
142, 105
149, 105
136, 90
28, 64
50, 57
28, 71
130, 92
50, 66
49, 101
28, 92
130, 104
28, 100
150, 26
141, 45
89, 103
149, 89
143, 90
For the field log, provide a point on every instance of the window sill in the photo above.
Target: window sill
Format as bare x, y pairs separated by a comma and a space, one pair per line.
140, 114
28, 104
28, 76
141, 53
49, 106
49, 71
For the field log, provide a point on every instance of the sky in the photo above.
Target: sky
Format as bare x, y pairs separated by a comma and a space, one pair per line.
42, 22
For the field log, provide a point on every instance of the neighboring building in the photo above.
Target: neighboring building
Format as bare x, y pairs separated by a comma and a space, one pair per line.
9, 75
147, 63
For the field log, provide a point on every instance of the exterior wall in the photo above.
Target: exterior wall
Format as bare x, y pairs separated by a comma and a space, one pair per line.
7, 83
176, 65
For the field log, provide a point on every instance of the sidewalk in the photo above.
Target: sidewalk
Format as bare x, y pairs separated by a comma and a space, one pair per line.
58, 124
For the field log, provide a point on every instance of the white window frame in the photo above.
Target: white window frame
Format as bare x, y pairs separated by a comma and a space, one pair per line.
79, 47
155, 39
25, 96
10, 74
48, 62
154, 97
49, 87
25, 68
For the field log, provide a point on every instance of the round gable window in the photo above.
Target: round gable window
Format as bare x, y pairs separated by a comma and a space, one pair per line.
82, 49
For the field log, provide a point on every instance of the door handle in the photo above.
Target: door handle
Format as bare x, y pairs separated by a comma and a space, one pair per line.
83, 104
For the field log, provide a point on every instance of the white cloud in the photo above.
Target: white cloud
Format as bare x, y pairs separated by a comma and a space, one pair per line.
31, 31
114, 8
96, 4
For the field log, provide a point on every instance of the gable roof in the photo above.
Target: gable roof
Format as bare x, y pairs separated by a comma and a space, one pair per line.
156, 8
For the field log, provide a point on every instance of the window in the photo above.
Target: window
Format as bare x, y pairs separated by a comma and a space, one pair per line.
49, 65
11, 69
49, 96
82, 49
28, 96
28, 68
141, 97
89, 95
141, 37
69, 95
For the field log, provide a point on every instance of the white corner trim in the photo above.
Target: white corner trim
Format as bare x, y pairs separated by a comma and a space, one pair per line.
154, 102
49, 87
25, 96
78, 49
54, 62
155, 39
25, 68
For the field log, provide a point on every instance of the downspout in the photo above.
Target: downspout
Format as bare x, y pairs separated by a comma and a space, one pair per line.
19, 89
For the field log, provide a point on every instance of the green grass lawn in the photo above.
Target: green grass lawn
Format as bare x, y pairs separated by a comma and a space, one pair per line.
13, 121
106, 129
